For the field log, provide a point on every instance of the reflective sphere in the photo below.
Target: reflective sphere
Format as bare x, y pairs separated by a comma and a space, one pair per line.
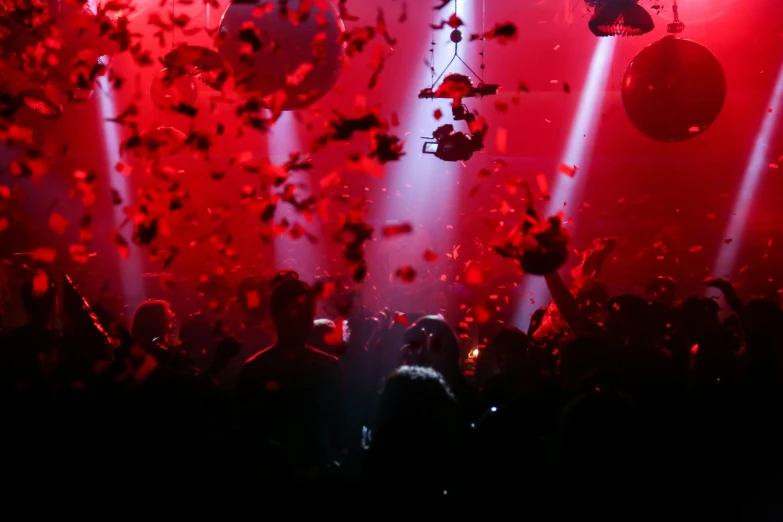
160, 143
168, 90
674, 89
280, 52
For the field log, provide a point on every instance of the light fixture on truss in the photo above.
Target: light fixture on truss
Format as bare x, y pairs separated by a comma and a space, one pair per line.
449, 145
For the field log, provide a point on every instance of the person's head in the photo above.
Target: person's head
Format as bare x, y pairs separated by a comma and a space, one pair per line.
629, 318
39, 306
662, 289
698, 317
509, 347
415, 395
762, 322
292, 307
198, 337
430, 341
282, 276
602, 456
153, 324
414, 445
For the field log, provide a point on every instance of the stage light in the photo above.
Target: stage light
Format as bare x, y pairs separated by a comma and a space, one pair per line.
130, 271
757, 166
584, 128
623, 19
674, 89
275, 50
456, 146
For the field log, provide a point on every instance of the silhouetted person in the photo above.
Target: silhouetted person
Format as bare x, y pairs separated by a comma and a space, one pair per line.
257, 332
603, 462
517, 376
413, 457
290, 391
431, 342
31, 351
154, 328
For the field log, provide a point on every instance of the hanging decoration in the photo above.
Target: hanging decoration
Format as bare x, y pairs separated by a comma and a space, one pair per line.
619, 18
448, 144
289, 50
674, 89
188, 67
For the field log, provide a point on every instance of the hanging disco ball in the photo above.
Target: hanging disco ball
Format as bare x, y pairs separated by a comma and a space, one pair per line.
203, 65
622, 18
170, 89
273, 48
160, 142
674, 89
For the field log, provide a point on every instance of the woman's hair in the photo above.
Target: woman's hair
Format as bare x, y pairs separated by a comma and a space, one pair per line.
414, 395
151, 321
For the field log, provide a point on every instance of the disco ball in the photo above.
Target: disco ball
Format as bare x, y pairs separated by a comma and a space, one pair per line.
273, 49
169, 90
160, 142
674, 89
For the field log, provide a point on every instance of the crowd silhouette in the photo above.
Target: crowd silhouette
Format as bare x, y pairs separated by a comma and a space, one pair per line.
626, 408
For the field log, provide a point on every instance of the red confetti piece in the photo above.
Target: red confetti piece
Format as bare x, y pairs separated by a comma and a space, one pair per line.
696, 248
78, 253
253, 299
44, 255
58, 223
567, 170
401, 319
543, 186
474, 275
406, 273
123, 168
40, 283
121, 245
501, 140
430, 256
396, 230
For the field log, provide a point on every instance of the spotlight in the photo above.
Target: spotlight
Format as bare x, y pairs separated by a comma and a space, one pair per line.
620, 19
456, 146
